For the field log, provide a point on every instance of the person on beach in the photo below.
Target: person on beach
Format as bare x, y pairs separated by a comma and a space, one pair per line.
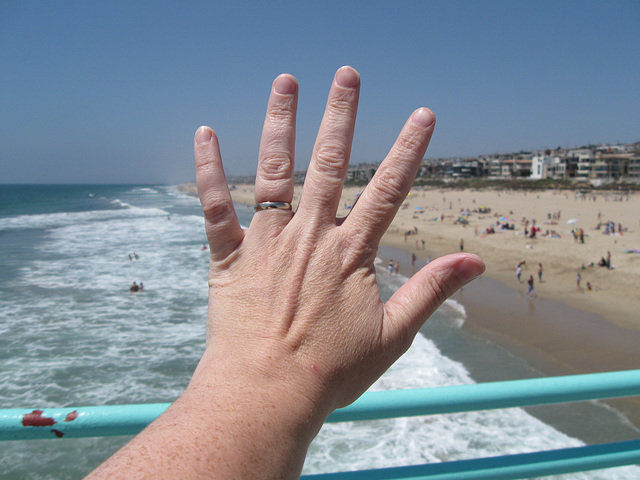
540, 272
530, 291
390, 267
578, 280
519, 271
295, 327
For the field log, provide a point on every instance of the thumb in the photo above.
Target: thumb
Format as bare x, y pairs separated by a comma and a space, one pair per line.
416, 300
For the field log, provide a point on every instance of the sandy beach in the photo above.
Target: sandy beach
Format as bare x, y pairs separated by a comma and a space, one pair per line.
615, 292
563, 328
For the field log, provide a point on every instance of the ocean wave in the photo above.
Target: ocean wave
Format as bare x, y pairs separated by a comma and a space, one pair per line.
438, 438
56, 220
144, 190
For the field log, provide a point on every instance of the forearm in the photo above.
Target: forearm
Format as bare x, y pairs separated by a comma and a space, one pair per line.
218, 429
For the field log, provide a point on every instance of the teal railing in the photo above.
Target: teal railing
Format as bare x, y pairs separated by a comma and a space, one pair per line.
70, 422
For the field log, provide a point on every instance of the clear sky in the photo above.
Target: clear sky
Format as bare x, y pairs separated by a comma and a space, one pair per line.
113, 91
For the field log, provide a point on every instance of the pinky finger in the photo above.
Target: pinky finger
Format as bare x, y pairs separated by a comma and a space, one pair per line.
221, 223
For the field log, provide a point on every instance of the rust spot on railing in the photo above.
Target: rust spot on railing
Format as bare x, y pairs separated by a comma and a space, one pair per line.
71, 416
35, 419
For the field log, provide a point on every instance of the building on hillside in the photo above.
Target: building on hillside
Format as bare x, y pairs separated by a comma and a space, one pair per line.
604, 164
633, 170
609, 167
361, 173
585, 158
435, 168
299, 176
467, 168
545, 166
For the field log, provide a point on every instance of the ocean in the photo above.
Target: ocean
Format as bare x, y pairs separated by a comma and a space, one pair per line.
71, 334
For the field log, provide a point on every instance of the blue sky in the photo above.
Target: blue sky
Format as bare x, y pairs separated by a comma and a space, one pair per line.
112, 92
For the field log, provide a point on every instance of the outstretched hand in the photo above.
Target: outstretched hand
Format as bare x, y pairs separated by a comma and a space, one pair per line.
295, 295
296, 327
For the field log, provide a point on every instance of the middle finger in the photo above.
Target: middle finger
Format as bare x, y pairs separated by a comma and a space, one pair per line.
330, 159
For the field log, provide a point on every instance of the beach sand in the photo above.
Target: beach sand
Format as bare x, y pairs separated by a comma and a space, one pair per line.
615, 292
563, 329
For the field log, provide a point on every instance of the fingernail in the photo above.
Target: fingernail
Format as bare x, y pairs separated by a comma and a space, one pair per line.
470, 268
203, 135
285, 85
347, 77
423, 117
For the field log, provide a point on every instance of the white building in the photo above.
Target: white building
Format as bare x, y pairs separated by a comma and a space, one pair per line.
544, 166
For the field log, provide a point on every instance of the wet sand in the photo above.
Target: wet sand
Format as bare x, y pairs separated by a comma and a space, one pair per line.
554, 339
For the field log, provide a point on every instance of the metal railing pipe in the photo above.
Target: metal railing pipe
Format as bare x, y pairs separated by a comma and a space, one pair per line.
506, 467
23, 424
74, 422
493, 395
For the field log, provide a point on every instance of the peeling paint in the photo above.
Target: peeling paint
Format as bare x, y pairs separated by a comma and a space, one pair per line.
71, 416
58, 433
35, 419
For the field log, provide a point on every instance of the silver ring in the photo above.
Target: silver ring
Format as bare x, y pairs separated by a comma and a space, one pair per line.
271, 206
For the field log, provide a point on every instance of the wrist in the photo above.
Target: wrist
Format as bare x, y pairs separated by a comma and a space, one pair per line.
267, 394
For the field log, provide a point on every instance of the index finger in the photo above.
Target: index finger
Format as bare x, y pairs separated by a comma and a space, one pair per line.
372, 214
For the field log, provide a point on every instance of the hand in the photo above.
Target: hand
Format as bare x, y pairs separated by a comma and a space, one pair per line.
296, 327
295, 296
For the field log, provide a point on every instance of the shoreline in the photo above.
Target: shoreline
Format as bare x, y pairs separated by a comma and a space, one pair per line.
541, 333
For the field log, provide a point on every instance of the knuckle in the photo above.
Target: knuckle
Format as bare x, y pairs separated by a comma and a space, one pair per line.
439, 288
281, 114
275, 166
332, 157
216, 209
355, 253
410, 144
388, 185
341, 105
204, 159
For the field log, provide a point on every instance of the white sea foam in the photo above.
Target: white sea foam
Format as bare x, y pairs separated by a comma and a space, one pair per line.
55, 220
429, 439
79, 284
144, 190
